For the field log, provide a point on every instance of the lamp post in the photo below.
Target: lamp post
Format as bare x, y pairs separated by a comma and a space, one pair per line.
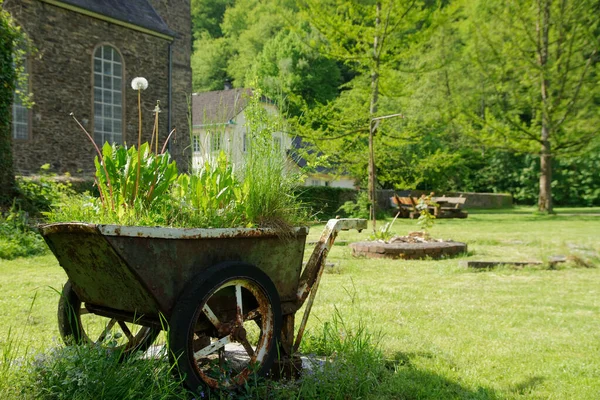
372, 191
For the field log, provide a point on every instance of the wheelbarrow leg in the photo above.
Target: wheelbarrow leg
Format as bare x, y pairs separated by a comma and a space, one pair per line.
287, 364
311, 276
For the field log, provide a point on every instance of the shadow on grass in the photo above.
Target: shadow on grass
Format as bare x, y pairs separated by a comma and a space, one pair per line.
409, 382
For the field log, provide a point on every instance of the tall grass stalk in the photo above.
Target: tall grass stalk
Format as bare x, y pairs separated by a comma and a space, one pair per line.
270, 200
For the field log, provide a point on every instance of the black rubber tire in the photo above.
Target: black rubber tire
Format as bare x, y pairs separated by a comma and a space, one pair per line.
72, 332
188, 309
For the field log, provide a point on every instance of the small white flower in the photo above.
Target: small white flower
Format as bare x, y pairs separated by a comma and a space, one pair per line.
139, 83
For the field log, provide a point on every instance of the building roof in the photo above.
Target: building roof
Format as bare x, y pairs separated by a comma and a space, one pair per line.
300, 146
135, 12
219, 106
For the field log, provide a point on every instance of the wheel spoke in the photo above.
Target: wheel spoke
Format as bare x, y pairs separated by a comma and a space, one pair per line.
109, 326
247, 347
238, 298
126, 330
211, 348
211, 316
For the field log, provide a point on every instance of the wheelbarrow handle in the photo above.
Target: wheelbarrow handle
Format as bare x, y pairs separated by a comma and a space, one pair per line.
311, 276
317, 259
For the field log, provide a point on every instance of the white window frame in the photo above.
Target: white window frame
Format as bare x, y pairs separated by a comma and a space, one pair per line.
216, 141
196, 144
108, 95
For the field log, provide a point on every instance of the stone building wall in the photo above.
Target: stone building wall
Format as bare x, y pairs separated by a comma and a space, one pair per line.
178, 16
61, 80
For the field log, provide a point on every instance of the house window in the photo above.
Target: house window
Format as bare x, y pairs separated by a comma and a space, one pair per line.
20, 113
196, 144
215, 141
108, 96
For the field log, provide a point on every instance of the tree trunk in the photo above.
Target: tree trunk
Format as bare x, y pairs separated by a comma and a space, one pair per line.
543, 27
372, 112
545, 197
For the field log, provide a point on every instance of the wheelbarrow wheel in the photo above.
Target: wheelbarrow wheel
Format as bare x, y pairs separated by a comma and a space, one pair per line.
225, 327
78, 326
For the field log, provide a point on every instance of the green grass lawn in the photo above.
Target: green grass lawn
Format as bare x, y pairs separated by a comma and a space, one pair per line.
447, 332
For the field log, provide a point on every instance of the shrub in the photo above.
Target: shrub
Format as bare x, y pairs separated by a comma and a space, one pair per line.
93, 372
17, 237
37, 195
324, 202
360, 208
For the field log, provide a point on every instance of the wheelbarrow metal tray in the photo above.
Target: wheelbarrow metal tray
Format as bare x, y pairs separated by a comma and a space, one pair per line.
143, 270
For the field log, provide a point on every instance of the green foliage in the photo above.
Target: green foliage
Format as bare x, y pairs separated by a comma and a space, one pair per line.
383, 233
14, 45
213, 196
209, 63
150, 191
207, 16
536, 78
424, 206
268, 186
288, 67
324, 202
17, 236
356, 366
116, 175
36, 196
246, 26
8, 34
358, 208
93, 372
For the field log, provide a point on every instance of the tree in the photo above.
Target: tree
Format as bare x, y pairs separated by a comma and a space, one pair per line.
207, 16
246, 27
536, 62
288, 67
371, 37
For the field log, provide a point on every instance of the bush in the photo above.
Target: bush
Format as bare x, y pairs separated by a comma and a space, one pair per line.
93, 372
360, 208
37, 195
323, 201
17, 236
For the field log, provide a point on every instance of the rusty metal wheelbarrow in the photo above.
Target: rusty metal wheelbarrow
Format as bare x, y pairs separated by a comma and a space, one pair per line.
227, 297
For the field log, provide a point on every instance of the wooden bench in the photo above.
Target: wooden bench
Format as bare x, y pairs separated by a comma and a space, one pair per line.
447, 207
406, 206
450, 207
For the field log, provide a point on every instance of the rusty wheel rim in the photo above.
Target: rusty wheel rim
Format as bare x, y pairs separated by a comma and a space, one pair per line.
233, 343
111, 332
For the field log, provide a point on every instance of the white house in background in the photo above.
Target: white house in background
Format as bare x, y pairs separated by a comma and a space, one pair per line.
219, 124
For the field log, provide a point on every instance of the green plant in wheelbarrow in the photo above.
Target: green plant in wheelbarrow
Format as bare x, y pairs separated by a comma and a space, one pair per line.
213, 196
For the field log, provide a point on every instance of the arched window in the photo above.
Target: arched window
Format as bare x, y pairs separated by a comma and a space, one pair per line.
20, 113
108, 96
